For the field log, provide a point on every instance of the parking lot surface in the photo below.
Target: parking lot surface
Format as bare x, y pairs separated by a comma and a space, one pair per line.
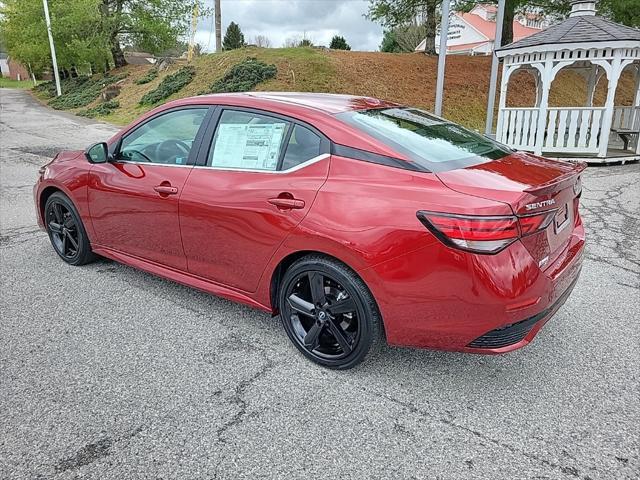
110, 373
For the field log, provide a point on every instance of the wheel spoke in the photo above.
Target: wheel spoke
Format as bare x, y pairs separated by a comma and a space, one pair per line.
57, 212
64, 243
312, 338
340, 335
55, 228
301, 306
316, 284
73, 241
345, 305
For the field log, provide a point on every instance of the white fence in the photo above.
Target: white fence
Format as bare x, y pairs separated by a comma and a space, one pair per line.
574, 130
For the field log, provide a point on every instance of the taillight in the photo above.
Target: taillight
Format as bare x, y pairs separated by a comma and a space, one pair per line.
532, 223
482, 234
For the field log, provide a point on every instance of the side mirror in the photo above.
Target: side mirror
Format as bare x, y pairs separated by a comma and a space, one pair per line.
97, 153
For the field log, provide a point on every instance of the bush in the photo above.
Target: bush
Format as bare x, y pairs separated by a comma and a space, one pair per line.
81, 91
244, 76
100, 110
152, 74
169, 85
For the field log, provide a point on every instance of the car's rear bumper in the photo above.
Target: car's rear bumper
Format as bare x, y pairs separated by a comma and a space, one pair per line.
444, 299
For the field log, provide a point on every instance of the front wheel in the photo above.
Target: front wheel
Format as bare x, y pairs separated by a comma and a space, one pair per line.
66, 231
329, 313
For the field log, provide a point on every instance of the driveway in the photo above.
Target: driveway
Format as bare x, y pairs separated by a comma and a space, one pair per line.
110, 373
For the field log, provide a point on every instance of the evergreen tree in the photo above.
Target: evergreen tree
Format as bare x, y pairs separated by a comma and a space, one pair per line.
339, 43
233, 37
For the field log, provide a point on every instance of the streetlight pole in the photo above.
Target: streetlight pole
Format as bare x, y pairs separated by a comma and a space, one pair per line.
53, 48
497, 43
442, 55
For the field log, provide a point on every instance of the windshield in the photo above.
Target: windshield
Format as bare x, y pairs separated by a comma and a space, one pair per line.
431, 142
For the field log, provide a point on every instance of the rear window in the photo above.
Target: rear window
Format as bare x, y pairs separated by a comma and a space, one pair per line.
428, 141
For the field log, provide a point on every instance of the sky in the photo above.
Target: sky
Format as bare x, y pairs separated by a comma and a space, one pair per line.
317, 20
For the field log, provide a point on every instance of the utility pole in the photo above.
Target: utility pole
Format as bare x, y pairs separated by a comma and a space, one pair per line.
493, 79
442, 55
218, 17
53, 48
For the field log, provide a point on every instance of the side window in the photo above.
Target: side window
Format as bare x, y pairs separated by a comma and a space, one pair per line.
165, 139
303, 145
247, 141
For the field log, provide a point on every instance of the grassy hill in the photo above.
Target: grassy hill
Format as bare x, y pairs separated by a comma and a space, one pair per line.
405, 78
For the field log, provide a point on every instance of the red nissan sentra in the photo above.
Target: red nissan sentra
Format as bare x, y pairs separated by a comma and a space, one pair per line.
357, 220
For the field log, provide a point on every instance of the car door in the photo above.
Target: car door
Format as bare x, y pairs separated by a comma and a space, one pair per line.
133, 199
256, 182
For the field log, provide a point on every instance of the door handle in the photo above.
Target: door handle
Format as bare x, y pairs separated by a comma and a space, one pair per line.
286, 203
166, 189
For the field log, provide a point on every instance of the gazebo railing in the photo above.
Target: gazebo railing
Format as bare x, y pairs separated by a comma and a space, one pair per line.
626, 117
568, 129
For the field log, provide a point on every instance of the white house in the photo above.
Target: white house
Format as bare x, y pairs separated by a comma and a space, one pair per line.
473, 33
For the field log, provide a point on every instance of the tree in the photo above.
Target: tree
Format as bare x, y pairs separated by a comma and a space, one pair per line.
261, 41
404, 13
152, 25
76, 29
390, 42
233, 37
339, 43
305, 42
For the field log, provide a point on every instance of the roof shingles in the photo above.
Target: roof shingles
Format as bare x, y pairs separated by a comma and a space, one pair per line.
579, 29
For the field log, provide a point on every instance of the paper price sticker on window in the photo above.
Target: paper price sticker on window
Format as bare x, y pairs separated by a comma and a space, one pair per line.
247, 146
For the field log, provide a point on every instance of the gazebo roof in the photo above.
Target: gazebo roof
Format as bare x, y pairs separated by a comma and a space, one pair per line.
578, 29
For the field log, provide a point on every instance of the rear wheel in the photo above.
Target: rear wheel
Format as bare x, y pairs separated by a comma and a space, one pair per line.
66, 231
329, 313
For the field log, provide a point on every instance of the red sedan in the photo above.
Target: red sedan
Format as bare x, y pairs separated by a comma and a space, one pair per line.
355, 219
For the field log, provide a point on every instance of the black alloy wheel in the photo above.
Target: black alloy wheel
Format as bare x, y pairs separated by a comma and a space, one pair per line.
66, 232
328, 312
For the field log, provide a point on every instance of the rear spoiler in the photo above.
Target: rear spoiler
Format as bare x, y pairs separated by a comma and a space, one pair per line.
559, 183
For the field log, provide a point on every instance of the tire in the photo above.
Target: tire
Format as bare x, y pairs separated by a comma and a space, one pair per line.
329, 313
66, 231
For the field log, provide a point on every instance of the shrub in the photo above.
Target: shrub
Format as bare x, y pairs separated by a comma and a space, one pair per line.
151, 74
339, 43
104, 108
81, 91
169, 85
244, 76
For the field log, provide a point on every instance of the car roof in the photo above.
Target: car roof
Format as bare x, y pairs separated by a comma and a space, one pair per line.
325, 102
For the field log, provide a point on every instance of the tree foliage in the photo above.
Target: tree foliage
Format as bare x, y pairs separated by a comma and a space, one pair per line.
75, 26
233, 37
394, 14
91, 32
339, 43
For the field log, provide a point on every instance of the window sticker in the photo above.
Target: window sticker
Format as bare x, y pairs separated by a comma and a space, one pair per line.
246, 146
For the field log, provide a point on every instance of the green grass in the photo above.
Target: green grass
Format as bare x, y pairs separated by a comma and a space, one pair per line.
9, 83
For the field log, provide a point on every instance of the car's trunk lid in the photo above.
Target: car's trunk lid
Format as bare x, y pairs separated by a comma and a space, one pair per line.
529, 185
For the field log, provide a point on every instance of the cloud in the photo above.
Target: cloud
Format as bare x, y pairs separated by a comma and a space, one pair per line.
317, 20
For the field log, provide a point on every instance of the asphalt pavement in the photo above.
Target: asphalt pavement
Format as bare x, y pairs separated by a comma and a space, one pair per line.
110, 373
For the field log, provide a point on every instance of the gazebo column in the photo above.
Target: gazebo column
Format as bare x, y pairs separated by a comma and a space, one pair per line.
592, 83
504, 82
636, 107
612, 76
546, 77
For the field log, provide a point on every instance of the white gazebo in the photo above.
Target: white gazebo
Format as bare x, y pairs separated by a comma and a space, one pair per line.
594, 48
